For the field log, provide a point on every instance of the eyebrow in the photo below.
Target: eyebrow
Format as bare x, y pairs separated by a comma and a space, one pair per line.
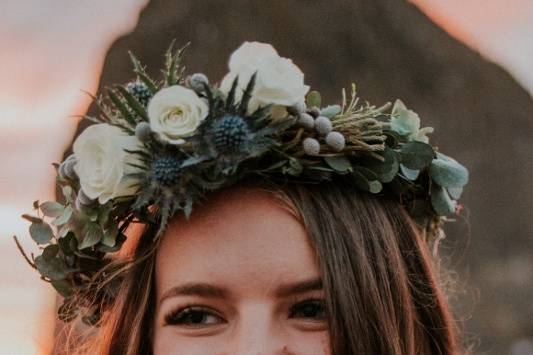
211, 291
195, 289
299, 287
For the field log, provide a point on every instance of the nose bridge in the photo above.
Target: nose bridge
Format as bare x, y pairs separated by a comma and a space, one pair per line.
256, 332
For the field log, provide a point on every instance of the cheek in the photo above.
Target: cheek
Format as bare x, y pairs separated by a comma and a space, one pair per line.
166, 341
307, 343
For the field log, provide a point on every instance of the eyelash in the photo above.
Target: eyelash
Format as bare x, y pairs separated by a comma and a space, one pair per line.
179, 316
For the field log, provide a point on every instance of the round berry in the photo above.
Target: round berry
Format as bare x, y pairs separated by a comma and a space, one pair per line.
311, 146
143, 132
197, 82
323, 125
336, 141
306, 120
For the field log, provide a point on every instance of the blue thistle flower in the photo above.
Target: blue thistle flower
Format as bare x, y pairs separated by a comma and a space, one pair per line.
140, 91
231, 133
166, 170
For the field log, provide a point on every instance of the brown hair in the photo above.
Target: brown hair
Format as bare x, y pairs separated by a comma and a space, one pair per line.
381, 283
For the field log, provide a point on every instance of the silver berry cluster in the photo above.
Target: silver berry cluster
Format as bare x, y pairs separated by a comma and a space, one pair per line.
313, 119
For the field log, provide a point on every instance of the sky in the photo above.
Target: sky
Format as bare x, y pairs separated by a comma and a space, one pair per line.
48, 58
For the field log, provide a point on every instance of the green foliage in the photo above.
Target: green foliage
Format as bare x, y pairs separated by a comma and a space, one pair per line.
41, 232
416, 155
92, 234
331, 111
313, 99
441, 201
339, 163
447, 172
385, 153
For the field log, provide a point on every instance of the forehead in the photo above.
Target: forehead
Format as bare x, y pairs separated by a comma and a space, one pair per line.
239, 236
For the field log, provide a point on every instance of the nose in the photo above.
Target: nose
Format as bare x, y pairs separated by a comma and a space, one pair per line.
258, 334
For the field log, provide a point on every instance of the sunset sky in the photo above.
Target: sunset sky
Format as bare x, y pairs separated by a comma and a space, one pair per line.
48, 57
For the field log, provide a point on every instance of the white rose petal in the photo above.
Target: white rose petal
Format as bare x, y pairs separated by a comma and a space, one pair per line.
102, 162
175, 113
279, 81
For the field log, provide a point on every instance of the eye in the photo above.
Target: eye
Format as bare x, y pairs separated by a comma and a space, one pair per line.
194, 317
311, 309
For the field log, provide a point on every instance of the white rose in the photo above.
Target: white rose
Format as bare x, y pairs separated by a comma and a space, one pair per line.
175, 113
279, 81
101, 162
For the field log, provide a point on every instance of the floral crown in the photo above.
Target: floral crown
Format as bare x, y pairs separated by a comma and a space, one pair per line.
160, 146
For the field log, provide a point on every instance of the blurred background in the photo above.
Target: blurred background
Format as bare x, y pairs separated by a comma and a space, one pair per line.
464, 65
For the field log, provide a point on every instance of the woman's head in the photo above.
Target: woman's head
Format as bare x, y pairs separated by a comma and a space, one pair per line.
262, 268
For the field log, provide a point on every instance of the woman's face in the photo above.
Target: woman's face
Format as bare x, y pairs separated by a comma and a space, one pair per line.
238, 278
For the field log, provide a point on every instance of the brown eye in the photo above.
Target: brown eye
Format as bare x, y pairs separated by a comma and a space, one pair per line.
313, 309
194, 317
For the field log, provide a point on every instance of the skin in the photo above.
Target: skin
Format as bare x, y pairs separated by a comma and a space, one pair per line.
236, 261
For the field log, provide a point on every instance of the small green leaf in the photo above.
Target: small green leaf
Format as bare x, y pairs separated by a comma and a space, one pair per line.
386, 170
339, 163
121, 106
441, 201
50, 251
455, 192
41, 232
295, 168
416, 155
313, 99
63, 287
448, 173
52, 208
411, 174
331, 111
64, 217
132, 102
68, 244
68, 193
375, 186
54, 269
92, 234
110, 237
141, 73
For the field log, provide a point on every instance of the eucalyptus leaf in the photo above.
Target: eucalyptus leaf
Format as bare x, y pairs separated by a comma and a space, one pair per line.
455, 192
386, 170
50, 251
360, 180
68, 244
416, 155
63, 287
411, 174
375, 186
448, 173
441, 201
41, 232
92, 234
52, 208
295, 167
330, 111
68, 193
340, 163
313, 99
54, 269
64, 217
